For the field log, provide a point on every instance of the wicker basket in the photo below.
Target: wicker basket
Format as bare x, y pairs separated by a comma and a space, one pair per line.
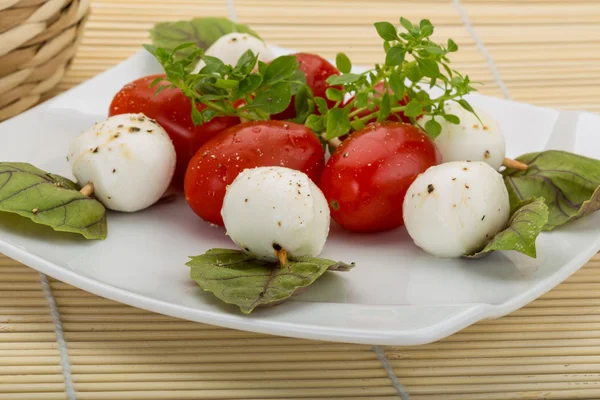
38, 39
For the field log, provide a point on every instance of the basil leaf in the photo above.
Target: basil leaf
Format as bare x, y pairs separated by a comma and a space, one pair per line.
453, 119
303, 104
342, 79
334, 94
203, 32
343, 63
50, 200
384, 108
414, 73
246, 62
280, 69
452, 46
338, 123
523, 228
397, 84
361, 99
236, 278
321, 105
568, 182
407, 24
413, 108
428, 68
274, 100
248, 85
395, 55
433, 128
386, 31
316, 123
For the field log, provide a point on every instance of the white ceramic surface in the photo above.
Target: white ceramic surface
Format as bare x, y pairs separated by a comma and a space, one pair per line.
397, 295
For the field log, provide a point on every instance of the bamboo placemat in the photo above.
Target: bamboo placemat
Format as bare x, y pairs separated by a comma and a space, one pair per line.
541, 51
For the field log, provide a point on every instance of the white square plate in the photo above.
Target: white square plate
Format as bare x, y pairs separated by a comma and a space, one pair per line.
397, 295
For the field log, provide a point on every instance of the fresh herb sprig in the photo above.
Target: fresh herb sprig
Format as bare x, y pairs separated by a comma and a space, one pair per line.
412, 62
226, 90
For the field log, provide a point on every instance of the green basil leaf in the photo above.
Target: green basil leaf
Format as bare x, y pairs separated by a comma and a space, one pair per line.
428, 68
50, 200
246, 62
197, 117
343, 63
357, 124
414, 73
384, 108
280, 69
522, 230
208, 114
395, 55
334, 94
361, 99
386, 31
433, 128
304, 104
316, 123
226, 84
203, 32
453, 119
465, 104
248, 85
342, 79
321, 105
273, 100
568, 182
262, 67
407, 24
298, 80
413, 108
427, 31
397, 84
434, 50
236, 278
338, 123
452, 46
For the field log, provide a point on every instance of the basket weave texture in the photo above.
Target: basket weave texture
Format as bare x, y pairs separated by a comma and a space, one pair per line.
38, 39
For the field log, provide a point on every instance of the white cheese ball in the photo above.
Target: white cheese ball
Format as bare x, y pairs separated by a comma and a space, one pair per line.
129, 158
268, 208
455, 208
470, 140
229, 49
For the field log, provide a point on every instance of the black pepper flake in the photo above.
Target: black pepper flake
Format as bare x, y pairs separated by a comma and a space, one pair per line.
486, 154
109, 197
276, 246
116, 135
149, 131
465, 169
133, 129
119, 126
482, 218
430, 188
95, 150
245, 200
487, 235
278, 224
453, 179
454, 205
467, 186
114, 170
299, 192
345, 155
247, 249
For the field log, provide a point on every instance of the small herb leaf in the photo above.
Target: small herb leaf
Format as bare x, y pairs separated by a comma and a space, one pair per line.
50, 200
568, 182
433, 128
274, 100
343, 63
386, 31
395, 55
523, 228
280, 69
236, 278
338, 123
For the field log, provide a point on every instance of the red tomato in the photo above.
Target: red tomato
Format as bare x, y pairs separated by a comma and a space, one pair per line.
172, 110
317, 70
248, 145
392, 117
367, 177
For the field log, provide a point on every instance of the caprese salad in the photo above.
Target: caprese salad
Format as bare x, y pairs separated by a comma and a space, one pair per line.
273, 148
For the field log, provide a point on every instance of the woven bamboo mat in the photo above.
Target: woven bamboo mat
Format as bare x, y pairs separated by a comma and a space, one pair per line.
541, 51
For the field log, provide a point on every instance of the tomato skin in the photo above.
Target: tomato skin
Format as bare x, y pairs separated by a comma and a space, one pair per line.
172, 110
379, 89
317, 70
252, 144
367, 177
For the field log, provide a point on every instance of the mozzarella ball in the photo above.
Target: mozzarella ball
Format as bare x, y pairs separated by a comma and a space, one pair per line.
271, 208
455, 208
470, 140
129, 158
229, 49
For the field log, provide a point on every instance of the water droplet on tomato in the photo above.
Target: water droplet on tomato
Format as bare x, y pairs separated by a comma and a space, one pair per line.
256, 130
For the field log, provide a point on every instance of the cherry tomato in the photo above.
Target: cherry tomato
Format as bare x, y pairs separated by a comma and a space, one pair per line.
172, 110
398, 117
249, 145
365, 180
317, 70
